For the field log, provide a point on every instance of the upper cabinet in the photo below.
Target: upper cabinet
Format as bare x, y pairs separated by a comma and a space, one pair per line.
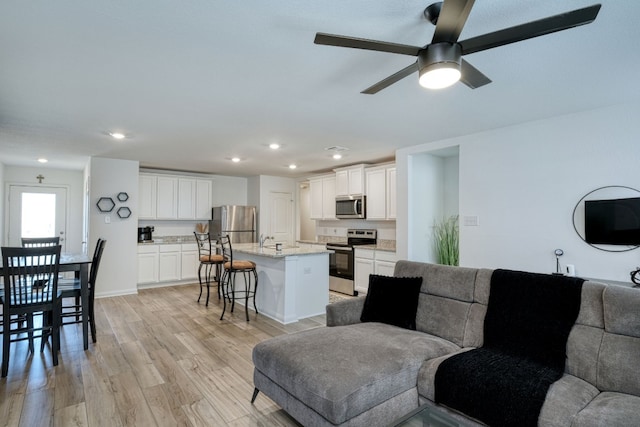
322, 191
147, 196
350, 181
167, 199
174, 197
381, 192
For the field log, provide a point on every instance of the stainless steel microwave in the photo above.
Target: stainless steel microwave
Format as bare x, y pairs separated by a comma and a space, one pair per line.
351, 207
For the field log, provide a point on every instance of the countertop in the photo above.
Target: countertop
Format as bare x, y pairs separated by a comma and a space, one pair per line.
387, 246
270, 251
170, 240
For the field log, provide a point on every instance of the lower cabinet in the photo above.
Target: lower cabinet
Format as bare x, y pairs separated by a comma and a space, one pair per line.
148, 264
167, 263
370, 261
189, 261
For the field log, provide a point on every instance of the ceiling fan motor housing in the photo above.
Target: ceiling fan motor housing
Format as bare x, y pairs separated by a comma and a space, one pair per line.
438, 55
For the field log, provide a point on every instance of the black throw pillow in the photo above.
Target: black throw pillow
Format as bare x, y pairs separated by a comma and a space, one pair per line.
392, 300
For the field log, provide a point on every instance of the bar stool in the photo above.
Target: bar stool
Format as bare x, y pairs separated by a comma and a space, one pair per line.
231, 268
208, 259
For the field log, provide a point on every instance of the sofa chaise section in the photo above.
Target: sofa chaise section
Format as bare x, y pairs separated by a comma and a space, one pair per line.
356, 374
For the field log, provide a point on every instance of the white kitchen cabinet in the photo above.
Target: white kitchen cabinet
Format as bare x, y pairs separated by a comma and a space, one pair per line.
381, 192
167, 197
385, 262
329, 198
148, 264
323, 197
186, 198
189, 261
391, 192
194, 198
363, 266
371, 261
174, 197
147, 196
376, 193
350, 181
169, 263
203, 199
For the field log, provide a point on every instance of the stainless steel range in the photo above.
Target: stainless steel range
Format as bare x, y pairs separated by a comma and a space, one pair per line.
341, 261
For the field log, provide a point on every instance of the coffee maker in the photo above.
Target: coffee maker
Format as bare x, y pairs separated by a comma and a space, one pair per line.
145, 234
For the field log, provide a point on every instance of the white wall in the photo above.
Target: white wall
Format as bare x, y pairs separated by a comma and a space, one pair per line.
118, 273
229, 190
523, 183
71, 179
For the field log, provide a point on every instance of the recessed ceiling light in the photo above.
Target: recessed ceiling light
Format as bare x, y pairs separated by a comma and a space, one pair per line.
337, 156
117, 135
274, 146
42, 160
292, 166
235, 159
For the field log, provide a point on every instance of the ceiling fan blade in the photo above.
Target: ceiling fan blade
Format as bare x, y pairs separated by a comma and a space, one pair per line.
391, 79
453, 16
471, 76
532, 29
344, 41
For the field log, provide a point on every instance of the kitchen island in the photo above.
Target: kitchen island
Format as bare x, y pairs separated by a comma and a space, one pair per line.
293, 283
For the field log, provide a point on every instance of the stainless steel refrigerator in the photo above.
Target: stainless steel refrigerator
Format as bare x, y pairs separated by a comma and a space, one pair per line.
239, 222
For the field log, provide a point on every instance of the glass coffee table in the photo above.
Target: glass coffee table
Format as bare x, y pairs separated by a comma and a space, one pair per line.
428, 416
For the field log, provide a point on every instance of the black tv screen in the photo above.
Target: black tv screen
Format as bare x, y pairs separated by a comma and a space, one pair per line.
612, 222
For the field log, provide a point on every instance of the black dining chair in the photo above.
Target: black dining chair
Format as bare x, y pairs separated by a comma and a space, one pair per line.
231, 268
38, 242
30, 287
72, 288
209, 259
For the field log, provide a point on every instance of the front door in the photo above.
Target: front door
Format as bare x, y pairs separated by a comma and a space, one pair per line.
36, 211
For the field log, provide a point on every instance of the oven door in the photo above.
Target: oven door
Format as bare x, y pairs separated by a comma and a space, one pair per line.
341, 270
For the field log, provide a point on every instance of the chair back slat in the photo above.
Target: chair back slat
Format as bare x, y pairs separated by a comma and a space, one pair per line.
39, 242
226, 249
30, 275
95, 263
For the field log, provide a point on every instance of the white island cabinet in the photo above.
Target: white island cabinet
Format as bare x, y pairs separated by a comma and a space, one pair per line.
293, 284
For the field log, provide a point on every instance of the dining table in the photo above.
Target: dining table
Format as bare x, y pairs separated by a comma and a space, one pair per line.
79, 264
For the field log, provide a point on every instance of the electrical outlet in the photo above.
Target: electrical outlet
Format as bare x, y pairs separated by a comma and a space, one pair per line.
107, 219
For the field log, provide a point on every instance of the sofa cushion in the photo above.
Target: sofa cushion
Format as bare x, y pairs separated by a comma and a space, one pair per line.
392, 300
565, 398
619, 356
373, 362
610, 409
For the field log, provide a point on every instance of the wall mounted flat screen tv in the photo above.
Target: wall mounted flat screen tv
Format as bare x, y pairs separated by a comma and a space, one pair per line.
612, 222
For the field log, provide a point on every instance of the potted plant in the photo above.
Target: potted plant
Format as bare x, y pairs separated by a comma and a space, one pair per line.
447, 237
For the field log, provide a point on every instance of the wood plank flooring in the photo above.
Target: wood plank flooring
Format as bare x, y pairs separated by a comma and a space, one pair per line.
161, 359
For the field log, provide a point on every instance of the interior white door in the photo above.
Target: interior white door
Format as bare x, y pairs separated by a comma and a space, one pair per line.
281, 216
37, 211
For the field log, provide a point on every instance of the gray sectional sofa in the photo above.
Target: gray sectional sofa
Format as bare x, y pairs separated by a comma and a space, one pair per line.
352, 373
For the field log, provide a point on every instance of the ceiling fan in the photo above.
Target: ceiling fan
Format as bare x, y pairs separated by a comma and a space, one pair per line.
440, 63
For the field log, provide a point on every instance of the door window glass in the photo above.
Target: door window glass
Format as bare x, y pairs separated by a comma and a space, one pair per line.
38, 215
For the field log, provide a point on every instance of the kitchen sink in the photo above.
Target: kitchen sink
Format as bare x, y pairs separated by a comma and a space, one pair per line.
283, 247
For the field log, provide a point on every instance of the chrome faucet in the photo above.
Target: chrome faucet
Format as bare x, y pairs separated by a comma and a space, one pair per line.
264, 238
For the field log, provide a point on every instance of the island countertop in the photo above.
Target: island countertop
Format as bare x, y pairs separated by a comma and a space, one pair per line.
270, 250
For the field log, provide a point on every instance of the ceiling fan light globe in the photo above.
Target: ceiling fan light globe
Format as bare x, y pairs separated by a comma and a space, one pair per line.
440, 76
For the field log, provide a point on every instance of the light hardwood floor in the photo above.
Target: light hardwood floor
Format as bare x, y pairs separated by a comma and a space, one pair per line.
161, 360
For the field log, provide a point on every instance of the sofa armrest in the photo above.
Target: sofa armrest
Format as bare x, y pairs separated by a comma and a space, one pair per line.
345, 312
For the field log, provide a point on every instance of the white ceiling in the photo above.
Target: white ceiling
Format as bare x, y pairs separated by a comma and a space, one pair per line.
193, 83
